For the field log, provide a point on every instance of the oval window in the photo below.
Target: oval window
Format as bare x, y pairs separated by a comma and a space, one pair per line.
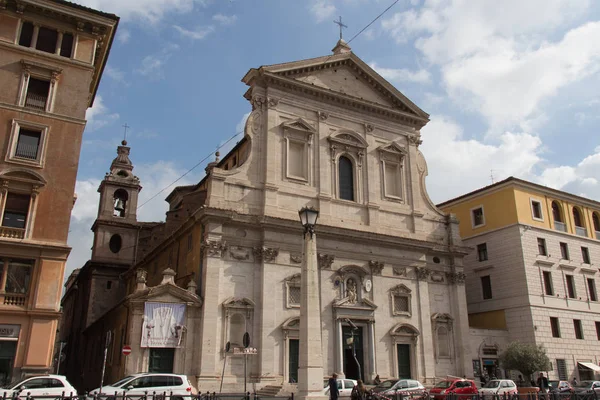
115, 243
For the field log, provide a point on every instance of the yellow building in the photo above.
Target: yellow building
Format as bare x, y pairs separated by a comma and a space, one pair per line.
52, 53
534, 270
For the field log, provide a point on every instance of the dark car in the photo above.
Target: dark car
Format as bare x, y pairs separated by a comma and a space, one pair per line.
560, 387
587, 387
407, 387
461, 387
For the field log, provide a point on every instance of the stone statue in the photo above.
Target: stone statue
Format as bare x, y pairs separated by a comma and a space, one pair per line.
351, 291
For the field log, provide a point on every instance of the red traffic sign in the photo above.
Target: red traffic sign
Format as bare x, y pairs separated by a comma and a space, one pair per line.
126, 350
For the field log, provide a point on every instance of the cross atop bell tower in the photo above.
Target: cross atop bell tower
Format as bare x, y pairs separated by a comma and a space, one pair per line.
116, 226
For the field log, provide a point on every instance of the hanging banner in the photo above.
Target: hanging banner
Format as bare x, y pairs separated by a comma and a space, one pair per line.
162, 324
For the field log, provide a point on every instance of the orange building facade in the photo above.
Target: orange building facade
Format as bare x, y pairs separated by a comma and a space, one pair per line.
52, 54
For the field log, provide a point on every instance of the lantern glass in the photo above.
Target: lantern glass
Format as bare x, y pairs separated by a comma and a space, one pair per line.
308, 216
303, 218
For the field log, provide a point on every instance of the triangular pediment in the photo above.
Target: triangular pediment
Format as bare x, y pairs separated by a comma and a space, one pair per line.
361, 304
346, 74
299, 124
167, 293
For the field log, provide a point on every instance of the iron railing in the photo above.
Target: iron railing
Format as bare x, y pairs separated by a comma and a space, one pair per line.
150, 395
592, 395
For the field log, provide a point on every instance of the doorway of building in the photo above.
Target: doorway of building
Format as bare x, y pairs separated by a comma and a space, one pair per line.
294, 355
8, 350
161, 360
490, 368
353, 339
403, 352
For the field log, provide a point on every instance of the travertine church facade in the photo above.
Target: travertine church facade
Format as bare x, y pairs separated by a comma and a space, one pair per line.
329, 133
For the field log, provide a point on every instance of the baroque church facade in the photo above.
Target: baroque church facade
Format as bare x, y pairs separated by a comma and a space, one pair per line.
330, 133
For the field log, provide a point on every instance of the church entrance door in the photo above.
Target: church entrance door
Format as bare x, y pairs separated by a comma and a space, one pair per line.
351, 369
161, 360
403, 361
294, 352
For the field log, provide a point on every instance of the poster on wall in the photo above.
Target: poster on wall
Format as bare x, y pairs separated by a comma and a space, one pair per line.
162, 324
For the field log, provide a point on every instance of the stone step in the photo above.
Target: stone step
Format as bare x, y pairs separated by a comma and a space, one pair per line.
269, 390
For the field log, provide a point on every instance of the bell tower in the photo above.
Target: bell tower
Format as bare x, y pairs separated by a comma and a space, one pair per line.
116, 227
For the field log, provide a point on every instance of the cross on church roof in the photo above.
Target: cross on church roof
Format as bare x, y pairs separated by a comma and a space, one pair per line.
341, 24
125, 133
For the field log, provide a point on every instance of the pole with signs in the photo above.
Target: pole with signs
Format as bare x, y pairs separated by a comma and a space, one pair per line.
246, 344
108, 338
227, 347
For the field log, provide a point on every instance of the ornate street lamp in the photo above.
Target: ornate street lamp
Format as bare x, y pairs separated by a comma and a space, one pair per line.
310, 365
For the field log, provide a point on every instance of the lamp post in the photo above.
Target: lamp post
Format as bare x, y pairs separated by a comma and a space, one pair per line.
310, 365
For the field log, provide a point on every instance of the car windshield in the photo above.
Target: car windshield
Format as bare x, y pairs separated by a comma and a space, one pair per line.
123, 381
553, 383
585, 384
492, 384
444, 384
387, 384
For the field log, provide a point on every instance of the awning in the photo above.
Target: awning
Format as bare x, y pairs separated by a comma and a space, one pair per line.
590, 365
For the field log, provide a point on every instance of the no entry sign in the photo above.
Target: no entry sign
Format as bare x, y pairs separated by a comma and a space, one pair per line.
126, 350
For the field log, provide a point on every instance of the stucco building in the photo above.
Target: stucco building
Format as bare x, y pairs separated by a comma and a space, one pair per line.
331, 133
534, 272
52, 54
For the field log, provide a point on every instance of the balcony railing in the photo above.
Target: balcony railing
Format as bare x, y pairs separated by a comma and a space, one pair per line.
36, 101
12, 233
13, 299
580, 231
559, 226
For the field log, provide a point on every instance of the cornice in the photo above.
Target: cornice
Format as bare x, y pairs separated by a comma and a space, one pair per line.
58, 117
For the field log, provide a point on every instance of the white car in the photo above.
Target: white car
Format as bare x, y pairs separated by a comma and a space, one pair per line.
345, 387
43, 385
139, 385
498, 386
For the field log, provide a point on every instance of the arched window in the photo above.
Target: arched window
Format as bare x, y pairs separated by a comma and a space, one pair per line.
442, 339
577, 217
346, 178
120, 203
596, 221
556, 212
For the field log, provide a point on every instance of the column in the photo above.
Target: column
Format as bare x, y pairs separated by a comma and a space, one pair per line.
310, 371
372, 358
34, 38
59, 42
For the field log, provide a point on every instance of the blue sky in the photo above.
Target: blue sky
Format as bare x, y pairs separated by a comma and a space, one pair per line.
511, 87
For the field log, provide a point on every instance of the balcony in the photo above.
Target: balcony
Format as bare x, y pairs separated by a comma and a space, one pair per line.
12, 233
13, 299
36, 101
559, 226
581, 231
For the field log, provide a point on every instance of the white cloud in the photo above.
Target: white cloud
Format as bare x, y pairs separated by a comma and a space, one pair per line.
152, 65
196, 34
154, 177
225, 19
322, 10
148, 10
115, 74
123, 36
402, 74
98, 115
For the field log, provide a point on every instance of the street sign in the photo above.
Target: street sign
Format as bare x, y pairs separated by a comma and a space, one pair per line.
126, 350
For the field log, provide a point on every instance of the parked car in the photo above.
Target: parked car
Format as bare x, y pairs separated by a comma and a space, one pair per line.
148, 383
345, 387
498, 386
406, 387
560, 387
587, 387
456, 386
42, 385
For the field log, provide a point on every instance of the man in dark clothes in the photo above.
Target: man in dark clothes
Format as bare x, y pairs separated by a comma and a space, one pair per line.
542, 383
334, 392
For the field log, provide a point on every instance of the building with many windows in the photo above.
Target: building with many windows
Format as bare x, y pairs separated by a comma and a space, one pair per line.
534, 273
52, 53
327, 132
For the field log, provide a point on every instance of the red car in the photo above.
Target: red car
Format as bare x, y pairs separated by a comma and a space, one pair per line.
459, 387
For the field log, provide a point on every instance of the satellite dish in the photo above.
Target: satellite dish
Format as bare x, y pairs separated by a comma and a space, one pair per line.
246, 341
227, 347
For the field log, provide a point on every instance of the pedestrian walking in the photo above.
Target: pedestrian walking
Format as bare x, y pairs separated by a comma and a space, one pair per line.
334, 392
377, 380
359, 392
574, 381
542, 383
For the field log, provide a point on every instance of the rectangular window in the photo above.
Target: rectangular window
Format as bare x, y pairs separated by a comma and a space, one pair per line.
37, 94
598, 330
28, 144
26, 34
46, 40
401, 304
571, 286
564, 251
16, 210
578, 329
18, 276
392, 180
555, 327
548, 289
486, 286
592, 289
561, 365
536, 210
294, 295
542, 247
477, 217
482, 254
296, 160
66, 47
585, 255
